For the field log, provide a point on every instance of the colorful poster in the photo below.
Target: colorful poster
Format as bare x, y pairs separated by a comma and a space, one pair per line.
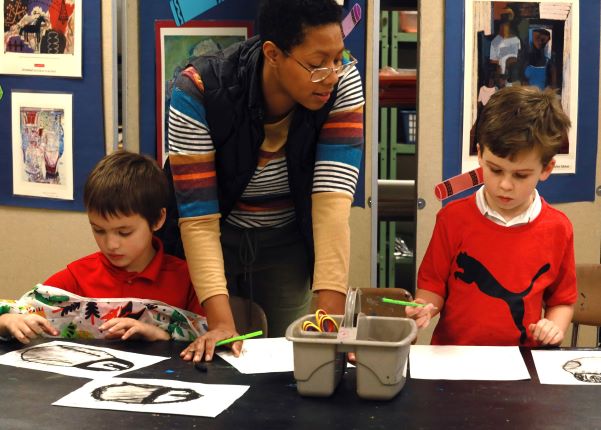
42, 152
41, 37
175, 48
520, 43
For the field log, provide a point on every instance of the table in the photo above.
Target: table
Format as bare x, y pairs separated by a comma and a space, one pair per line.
272, 401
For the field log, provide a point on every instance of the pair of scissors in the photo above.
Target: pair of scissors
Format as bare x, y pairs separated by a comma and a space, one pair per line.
323, 323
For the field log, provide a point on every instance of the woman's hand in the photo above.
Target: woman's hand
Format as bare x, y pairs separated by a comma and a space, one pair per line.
129, 328
204, 346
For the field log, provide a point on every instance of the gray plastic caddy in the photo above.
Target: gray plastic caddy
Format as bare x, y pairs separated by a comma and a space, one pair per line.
381, 346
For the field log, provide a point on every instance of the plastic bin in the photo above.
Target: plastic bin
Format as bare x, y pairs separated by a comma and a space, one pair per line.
381, 346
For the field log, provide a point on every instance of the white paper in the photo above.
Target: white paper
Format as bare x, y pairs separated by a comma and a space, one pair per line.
493, 363
568, 367
79, 360
154, 396
263, 355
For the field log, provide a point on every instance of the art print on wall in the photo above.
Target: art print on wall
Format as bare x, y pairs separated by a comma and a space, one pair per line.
42, 152
41, 37
520, 43
175, 48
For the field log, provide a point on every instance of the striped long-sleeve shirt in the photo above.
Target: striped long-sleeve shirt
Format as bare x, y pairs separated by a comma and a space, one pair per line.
266, 200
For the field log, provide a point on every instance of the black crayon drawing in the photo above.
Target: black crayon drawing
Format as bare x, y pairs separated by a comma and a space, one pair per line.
144, 394
585, 369
77, 356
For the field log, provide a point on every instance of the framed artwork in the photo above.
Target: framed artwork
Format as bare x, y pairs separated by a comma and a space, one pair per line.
42, 153
41, 37
175, 47
546, 43
520, 43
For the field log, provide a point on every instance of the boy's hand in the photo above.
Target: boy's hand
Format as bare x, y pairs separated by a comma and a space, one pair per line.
546, 332
422, 314
129, 328
27, 327
203, 347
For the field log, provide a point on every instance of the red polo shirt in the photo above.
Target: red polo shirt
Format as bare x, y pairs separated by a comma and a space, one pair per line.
166, 278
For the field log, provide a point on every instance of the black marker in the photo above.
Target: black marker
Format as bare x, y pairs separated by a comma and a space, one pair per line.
201, 366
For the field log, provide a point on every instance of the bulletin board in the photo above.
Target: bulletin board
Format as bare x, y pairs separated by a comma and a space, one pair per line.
228, 10
87, 120
559, 188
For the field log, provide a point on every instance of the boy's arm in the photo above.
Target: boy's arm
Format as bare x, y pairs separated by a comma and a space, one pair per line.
337, 165
422, 315
552, 328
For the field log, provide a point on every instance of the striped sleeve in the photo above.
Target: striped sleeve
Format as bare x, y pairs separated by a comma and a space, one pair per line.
191, 153
340, 144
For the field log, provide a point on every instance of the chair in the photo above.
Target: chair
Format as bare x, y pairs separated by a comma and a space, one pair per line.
587, 310
248, 316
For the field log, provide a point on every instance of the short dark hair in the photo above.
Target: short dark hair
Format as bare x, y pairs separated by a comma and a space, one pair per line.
523, 118
126, 183
284, 22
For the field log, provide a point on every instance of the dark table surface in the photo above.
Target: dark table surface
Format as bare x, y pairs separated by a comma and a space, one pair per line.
272, 401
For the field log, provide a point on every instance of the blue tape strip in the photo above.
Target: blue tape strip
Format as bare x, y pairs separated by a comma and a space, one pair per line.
185, 10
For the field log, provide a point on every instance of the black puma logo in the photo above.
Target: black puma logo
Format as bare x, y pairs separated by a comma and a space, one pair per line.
474, 271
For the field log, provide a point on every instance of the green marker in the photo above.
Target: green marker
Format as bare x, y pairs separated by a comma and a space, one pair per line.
401, 302
237, 338
1, 92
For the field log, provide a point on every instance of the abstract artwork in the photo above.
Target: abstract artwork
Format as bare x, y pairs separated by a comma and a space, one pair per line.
154, 396
176, 47
41, 37
42, 151
74, 359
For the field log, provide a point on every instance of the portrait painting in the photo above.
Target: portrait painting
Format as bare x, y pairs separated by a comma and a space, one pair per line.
520, 43
176, 47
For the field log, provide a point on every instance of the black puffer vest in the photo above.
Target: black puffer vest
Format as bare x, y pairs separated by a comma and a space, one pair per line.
235, 109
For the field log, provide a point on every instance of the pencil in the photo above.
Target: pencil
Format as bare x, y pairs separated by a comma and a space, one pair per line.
237, 338
402, 302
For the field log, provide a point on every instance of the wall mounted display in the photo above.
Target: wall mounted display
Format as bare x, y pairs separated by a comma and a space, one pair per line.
42, 153
546, 43
41, 37
176, 47
520, 43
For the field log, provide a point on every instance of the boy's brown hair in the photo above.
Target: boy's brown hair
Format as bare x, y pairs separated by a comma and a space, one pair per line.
521, 118
125, 183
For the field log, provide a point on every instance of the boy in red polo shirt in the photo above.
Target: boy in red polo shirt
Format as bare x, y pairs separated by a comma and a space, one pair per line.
125, 198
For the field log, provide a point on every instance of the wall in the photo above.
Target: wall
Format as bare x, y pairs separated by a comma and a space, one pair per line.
37, 243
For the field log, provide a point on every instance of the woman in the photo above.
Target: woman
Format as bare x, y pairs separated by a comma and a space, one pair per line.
265, 143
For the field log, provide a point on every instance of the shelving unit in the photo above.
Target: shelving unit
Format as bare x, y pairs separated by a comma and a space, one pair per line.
398, 50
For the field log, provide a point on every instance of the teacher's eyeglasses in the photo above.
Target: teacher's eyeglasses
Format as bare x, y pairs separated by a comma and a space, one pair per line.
319, 74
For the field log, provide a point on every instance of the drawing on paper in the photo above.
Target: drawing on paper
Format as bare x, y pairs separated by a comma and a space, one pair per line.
585, 369
43, 144
42, 130
39, 27
144, 394
75, 356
